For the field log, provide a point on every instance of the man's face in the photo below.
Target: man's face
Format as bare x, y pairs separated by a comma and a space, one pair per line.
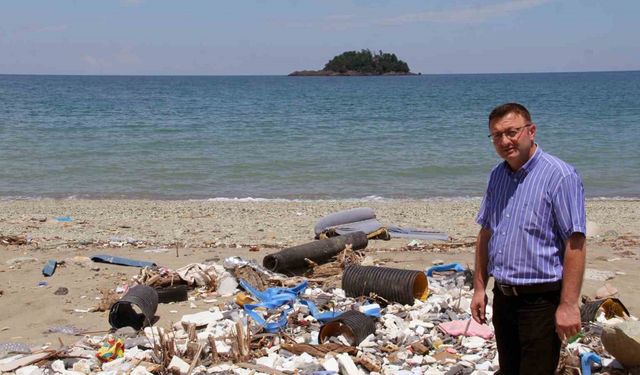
513, 138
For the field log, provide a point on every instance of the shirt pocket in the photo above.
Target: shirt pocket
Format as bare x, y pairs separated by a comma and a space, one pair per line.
536, 218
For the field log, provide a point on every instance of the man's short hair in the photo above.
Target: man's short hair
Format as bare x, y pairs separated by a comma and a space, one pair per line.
507, 108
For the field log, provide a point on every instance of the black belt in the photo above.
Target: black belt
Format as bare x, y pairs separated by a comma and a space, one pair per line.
516, 290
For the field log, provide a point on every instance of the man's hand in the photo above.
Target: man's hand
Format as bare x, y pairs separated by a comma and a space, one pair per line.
567, 320
480, 278
479, 306
568, 312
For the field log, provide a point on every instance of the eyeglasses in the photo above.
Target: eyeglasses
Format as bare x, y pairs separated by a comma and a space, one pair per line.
511, 134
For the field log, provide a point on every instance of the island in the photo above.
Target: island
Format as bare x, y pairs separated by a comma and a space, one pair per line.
362, 63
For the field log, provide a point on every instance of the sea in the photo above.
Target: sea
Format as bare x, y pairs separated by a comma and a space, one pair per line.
303, 138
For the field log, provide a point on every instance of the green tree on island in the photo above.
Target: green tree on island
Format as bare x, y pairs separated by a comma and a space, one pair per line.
367, 62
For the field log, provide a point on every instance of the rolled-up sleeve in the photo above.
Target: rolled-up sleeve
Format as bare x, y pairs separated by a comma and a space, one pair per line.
568, 205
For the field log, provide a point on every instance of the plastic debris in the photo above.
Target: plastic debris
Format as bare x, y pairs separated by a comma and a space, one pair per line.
67, 330
585, 361
457, 267
112, 349
121, 261
13, 348
275, 325
49, 268
467, 327
123, 314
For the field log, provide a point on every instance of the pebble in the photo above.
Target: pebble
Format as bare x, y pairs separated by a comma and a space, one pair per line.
61, 291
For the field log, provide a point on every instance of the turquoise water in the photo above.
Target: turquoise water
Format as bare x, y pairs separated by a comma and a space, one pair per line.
303, 137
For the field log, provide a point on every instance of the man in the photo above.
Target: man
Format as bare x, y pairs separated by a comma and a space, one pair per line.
532, 242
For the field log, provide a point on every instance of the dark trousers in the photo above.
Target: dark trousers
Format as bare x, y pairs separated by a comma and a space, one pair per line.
525, 331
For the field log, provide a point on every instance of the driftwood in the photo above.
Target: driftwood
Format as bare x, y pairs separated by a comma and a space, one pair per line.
109, 297
13, 240
254, 278
27, 360
345, 257
260, 368
369, 362
196, 359
319, 350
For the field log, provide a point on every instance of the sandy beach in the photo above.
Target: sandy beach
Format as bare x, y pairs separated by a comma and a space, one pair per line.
213, 230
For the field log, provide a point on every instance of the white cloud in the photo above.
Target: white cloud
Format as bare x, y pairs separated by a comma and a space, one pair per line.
465, 15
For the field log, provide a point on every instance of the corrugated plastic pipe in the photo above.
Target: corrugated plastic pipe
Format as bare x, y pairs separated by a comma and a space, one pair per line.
353, 325
293, 259
123, 313
392, 284
612, 307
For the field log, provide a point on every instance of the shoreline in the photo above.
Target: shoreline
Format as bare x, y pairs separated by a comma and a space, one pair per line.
371, 198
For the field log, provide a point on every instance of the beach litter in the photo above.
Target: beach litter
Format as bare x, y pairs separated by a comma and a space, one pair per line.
298, 258
121, 261
363, 219
66, 330
13, 348
110, 350
123, 313
402, 322
389, 284
14, 240
606, 308
49, 268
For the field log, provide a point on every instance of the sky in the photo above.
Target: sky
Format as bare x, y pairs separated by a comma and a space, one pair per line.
276, 37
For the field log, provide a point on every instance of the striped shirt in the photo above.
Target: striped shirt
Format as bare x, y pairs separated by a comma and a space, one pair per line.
531, 213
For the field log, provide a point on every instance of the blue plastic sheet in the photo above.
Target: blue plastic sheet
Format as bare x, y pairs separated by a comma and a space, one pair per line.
585, 362
121, 261
320, 316
273, 298
64, 219
445, 267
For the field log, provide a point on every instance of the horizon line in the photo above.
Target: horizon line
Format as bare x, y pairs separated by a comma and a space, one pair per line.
286, 75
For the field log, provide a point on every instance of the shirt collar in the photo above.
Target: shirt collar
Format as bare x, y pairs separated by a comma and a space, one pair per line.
528, 166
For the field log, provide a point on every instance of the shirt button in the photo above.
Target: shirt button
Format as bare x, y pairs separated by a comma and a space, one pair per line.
504, 233
515, 180
507, 215
500, 252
